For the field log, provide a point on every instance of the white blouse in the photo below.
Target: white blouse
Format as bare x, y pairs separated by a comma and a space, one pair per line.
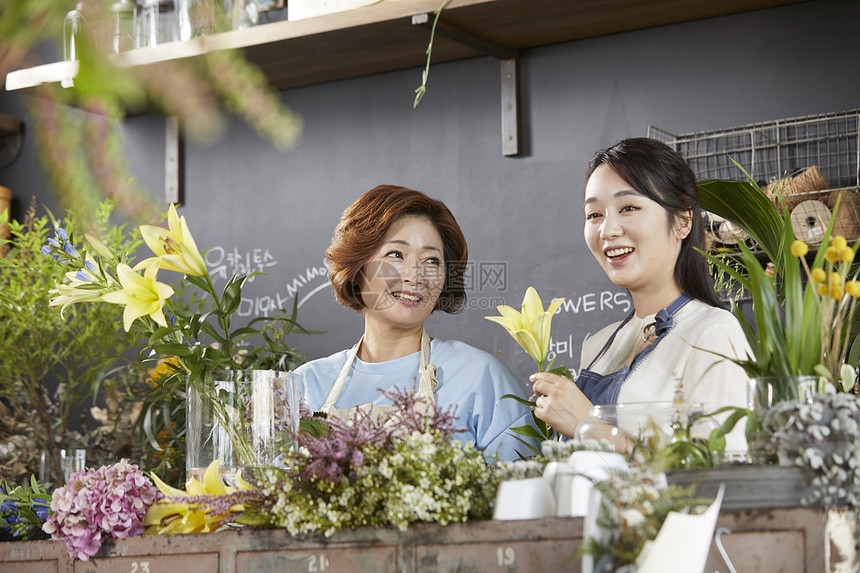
690, 353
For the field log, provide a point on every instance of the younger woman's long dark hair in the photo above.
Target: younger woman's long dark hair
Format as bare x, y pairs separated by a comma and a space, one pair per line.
658, 172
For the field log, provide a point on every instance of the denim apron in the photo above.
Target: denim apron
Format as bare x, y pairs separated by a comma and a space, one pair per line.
604, 388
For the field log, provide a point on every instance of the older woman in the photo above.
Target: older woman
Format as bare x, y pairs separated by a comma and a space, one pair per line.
397, 256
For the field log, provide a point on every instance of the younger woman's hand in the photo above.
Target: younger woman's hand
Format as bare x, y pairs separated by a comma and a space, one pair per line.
559, 402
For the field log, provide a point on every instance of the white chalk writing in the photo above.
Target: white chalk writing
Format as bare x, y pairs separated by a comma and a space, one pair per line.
599, 301
223, 263
264, 305
563, 349
302, 280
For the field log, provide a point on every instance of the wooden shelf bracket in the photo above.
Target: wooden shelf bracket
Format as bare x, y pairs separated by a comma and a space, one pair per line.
510, 81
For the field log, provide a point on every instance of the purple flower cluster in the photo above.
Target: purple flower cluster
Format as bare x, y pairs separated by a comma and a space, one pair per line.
338, 453
99, 504
412, 417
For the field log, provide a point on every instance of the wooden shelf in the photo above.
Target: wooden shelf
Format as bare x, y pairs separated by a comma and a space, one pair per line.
381, 37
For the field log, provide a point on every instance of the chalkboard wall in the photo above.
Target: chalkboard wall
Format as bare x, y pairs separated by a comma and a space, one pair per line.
261, 209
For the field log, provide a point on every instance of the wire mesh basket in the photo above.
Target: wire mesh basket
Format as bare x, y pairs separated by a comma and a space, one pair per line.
802, 163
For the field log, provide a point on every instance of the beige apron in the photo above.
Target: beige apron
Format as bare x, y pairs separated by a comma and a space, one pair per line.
426, 384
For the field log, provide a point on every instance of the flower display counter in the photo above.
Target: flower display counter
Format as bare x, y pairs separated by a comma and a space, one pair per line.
776, 540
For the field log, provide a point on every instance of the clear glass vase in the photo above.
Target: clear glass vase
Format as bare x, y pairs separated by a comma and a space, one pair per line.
625, 423
763, 393
196, 18
244, 418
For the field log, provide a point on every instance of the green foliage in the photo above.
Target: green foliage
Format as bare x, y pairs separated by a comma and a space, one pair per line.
419, 477
425, 75
790, 318
23, 511
39, 348
632, 510
271, 350
538, 429
744, 203
796, 331
83, 153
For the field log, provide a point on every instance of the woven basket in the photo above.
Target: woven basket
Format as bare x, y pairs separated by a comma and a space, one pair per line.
790, 191
847, 222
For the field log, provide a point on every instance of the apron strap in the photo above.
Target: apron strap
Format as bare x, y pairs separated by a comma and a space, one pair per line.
426, 372
341, 377
611, 339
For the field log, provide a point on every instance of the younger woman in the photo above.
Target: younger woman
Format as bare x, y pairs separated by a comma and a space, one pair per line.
642, 224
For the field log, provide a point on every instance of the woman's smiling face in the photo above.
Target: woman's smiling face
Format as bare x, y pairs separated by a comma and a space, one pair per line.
629, 234
401, 283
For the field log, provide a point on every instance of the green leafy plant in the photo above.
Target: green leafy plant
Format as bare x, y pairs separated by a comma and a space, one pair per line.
196, 333
803, 313
632, 511
801, 318
23, 510
425, 74
51, 366
83, 153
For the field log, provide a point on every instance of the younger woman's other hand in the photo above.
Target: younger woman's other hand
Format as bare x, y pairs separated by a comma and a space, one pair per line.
559, 402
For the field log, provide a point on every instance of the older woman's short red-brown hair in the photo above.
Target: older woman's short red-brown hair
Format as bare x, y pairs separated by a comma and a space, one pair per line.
363, 227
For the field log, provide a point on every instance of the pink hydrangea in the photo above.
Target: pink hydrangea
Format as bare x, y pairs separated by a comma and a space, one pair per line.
98, 504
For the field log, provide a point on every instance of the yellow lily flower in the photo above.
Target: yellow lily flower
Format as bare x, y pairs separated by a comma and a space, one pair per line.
141, 295
531, 327
174, 247
168, 516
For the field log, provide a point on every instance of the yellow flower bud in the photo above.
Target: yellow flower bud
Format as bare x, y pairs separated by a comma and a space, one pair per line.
836, 292
853, 289
835, 279
839, 242
831, 254
799, 249
846, 254
823, 289
818, 276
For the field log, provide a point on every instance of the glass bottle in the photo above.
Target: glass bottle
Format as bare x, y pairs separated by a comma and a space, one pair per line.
157, 23
124, 15
71, 33
244, 14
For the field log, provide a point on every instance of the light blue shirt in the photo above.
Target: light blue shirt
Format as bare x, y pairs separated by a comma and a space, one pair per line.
471, 380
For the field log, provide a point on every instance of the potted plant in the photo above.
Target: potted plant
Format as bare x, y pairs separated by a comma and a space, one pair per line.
51, 366
197, 334
803, 306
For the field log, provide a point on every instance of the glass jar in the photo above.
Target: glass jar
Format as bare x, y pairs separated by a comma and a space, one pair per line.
244, 418
71, 33
157, 23
124, 20
627, 423
195, 18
